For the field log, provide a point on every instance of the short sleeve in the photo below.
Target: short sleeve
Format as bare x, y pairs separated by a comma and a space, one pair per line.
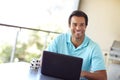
97, 59
52, 46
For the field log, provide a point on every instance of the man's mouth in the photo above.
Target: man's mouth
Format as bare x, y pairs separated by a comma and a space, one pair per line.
79, 33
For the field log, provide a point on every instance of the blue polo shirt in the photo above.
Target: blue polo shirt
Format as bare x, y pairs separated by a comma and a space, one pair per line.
88, 50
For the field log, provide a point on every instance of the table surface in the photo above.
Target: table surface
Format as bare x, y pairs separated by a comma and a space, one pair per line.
113, 72
21, 71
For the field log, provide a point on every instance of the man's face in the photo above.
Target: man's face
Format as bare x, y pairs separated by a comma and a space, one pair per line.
77, 27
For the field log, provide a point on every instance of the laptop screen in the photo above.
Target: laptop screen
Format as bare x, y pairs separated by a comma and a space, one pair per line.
61, 66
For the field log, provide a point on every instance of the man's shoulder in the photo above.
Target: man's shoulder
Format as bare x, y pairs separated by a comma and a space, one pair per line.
91, 42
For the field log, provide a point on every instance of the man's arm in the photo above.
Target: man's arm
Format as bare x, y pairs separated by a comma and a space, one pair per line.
97, 75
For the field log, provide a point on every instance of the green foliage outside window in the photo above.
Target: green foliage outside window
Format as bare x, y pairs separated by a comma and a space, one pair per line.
23, 49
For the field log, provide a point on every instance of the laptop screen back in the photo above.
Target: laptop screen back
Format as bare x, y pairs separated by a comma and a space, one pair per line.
61, 66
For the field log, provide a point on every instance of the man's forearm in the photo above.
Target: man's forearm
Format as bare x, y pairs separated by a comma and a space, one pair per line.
98, 75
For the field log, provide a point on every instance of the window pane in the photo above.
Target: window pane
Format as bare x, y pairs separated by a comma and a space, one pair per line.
7, 41
45, 14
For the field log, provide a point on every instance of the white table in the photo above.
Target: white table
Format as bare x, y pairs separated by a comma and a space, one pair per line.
113, 72
21, 71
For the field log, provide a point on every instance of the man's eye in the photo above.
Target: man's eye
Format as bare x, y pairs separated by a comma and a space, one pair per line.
74, 24
82, 24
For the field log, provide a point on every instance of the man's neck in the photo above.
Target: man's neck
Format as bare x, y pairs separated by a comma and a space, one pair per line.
77, 41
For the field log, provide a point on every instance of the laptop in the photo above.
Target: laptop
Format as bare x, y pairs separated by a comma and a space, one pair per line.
61, 66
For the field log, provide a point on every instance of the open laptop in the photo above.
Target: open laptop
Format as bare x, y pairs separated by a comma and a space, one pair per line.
61, 66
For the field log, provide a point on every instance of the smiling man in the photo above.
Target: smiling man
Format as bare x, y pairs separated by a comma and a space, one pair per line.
77, 43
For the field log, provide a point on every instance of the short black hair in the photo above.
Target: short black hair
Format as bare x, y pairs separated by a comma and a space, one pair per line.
78, 13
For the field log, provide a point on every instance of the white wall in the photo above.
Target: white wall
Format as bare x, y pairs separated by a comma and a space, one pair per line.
104, 21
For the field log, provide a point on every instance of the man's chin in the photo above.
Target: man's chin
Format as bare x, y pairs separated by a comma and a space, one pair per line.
78, 37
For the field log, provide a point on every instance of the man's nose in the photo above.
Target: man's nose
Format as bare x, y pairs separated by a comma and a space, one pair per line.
78, 27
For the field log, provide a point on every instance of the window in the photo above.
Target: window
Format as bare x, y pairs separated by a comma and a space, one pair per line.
48, 15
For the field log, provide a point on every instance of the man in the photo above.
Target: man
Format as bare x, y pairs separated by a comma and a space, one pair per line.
76, 43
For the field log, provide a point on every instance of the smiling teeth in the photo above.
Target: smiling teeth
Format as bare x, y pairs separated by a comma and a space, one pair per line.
78, 32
